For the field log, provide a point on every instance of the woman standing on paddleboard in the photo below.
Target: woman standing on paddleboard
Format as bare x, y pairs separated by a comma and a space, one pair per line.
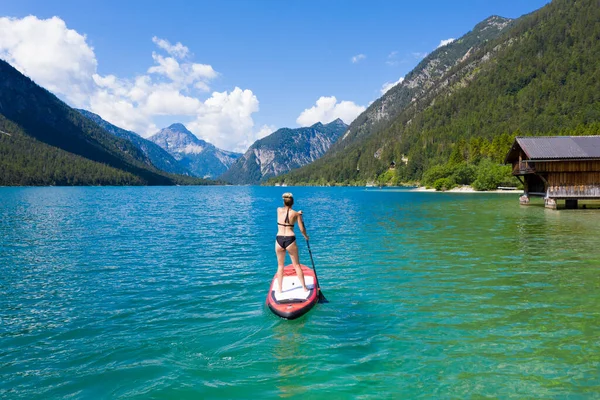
286, 238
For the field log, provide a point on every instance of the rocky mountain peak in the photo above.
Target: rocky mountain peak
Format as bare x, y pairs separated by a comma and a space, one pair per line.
179, 127
200, 157
333, 124
282, 151
493, 23
178, 139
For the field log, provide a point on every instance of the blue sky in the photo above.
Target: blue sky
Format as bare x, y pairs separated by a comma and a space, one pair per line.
282, 55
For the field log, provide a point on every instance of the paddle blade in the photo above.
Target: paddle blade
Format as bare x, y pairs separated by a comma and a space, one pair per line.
322, 298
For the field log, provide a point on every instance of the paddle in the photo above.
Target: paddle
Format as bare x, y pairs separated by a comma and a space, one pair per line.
322, 298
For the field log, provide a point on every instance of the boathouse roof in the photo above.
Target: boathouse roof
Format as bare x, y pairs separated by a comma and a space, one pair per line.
556, 148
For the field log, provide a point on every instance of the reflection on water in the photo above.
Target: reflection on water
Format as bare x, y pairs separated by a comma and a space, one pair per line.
290, 352
159, 292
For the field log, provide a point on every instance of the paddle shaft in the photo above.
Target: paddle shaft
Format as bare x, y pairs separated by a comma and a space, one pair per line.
321, 295
313, 263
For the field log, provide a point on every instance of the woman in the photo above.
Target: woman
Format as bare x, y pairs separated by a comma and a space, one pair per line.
286, 239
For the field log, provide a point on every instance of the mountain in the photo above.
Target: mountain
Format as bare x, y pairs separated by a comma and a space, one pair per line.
539, 76
344, 162
160, 158
199, 157
282, 151
42, 136
427, 75
26, 161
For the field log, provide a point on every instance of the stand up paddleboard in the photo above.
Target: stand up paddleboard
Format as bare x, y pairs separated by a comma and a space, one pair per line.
293, 301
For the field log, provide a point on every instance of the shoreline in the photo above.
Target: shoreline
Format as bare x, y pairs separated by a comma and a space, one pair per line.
467, 189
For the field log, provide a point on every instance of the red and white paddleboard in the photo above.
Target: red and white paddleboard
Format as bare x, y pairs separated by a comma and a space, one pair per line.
293, 301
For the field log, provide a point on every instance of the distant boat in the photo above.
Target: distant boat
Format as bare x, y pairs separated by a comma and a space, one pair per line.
284, 184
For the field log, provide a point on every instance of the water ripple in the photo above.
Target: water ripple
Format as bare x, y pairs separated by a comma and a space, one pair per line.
159, 292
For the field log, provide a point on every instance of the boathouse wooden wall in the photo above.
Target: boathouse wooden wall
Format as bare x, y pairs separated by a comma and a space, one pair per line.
574, 178
567, 166
563, 172
567, 173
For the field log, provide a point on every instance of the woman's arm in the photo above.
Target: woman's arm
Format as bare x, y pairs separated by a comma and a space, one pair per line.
301, 225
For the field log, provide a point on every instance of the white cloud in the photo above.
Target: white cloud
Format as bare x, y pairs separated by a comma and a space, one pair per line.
178, 50
56, 57
167, 101
328, 109
183, 74
392, 59
202, 71
225, 119
265, 130
61, 60
388, 85
445, 42
167, 66
358, 58
419, 55
122, 112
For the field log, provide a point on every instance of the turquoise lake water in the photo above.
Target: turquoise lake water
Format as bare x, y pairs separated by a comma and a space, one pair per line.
159, 293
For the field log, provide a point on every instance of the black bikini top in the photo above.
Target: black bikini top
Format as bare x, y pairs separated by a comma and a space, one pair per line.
287, 220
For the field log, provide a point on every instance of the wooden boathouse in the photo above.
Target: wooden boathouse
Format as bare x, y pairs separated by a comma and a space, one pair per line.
557, 168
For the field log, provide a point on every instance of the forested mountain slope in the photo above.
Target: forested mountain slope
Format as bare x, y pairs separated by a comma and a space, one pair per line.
540, 77
29, 110
25, 161
427, 75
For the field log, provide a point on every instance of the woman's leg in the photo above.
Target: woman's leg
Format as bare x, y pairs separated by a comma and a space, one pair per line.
293, 252
280, 252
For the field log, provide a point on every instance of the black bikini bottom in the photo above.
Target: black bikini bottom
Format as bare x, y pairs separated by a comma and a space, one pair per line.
285, 241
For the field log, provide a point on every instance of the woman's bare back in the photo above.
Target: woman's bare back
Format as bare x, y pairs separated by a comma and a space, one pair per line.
286, 228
